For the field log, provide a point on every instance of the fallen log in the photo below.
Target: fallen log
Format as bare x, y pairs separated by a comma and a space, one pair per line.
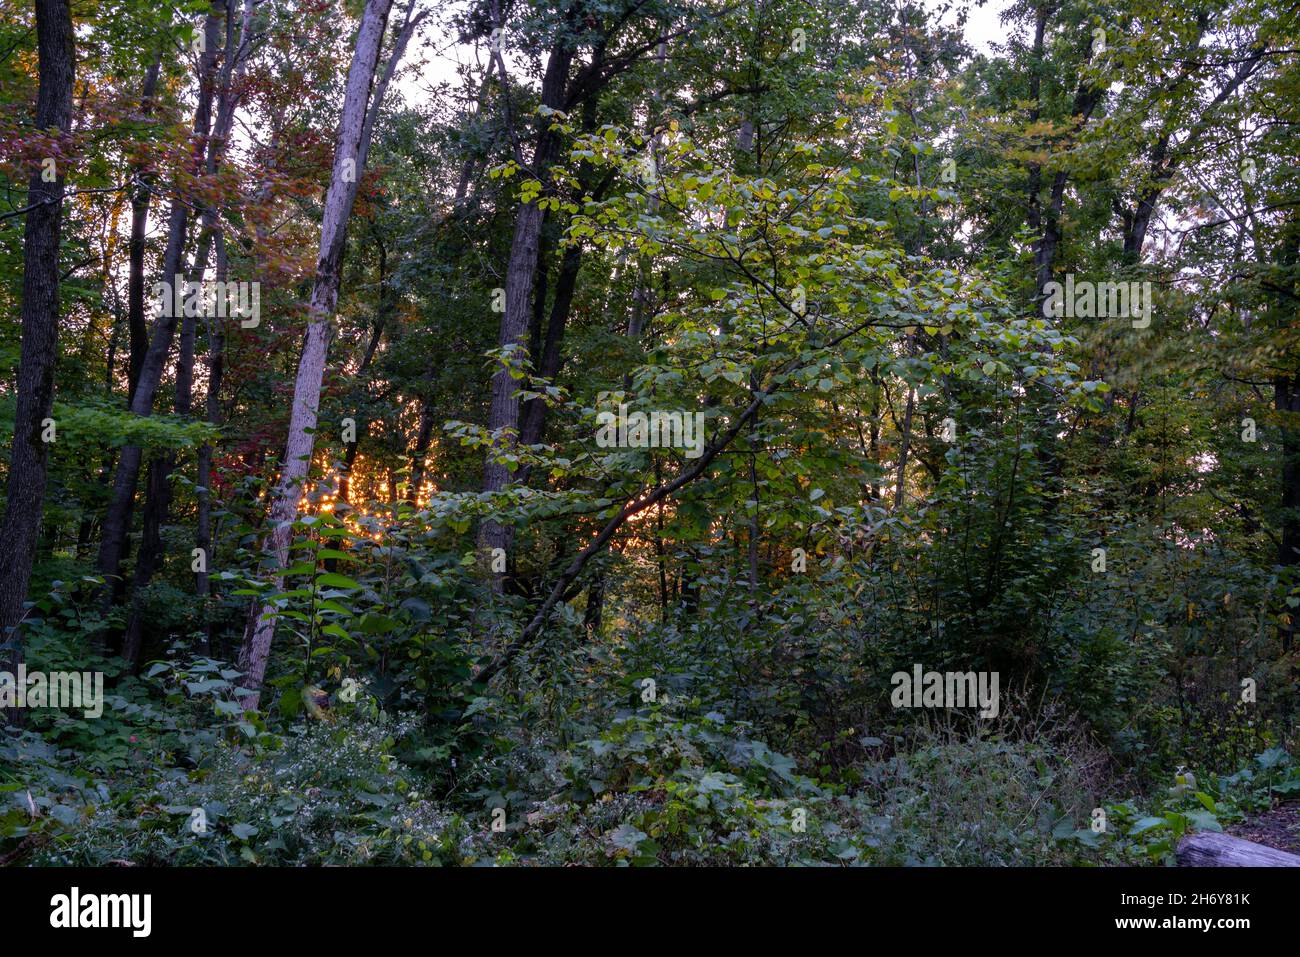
1212, 849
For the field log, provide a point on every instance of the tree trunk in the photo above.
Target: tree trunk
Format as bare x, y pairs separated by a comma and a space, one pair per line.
1286, 401
409, 23
256, 649
552, 352
212, 146
203, 530
1086, 100
1286, 393
117, 520
1211, 849
904, 446
1034, 213
591, 617
158, 491
25, 488
387, 304
422, 438
137, 325
158, 484
521, 270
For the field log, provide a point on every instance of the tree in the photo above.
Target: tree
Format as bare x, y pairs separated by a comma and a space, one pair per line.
348, 166
25, 486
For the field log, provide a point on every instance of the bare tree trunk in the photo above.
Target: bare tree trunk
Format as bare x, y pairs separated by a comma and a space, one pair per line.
256, 649
410, 21
521, 271
503, 417
25, 488
1211, 849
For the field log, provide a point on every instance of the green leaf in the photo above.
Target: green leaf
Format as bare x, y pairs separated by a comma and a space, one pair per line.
627, 837
1147, 824
374, 624
335, 580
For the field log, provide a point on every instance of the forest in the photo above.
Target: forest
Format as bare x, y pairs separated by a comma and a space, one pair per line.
648, 432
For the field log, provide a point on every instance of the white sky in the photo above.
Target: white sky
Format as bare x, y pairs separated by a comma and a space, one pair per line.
982, 25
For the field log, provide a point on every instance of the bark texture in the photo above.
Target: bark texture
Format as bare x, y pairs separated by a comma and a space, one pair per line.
25, 489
